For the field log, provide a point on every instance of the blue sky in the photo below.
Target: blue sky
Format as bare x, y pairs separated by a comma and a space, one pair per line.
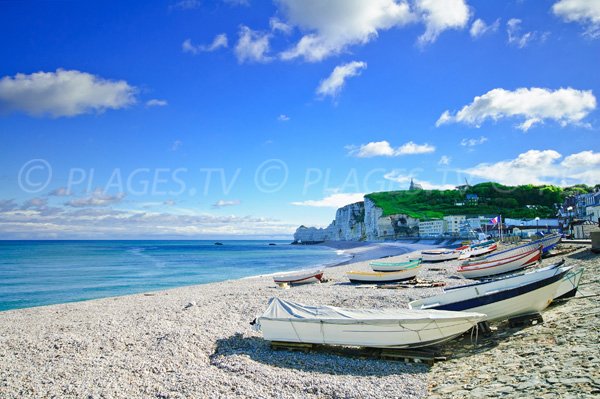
219, 118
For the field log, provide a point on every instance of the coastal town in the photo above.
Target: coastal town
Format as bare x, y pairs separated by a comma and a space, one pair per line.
575, 217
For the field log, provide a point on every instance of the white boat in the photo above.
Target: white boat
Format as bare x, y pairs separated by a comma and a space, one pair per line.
378, 328
442, 254
393, 266
491, 267
547, 243
383, 277
501, 299
299, 277
478, 250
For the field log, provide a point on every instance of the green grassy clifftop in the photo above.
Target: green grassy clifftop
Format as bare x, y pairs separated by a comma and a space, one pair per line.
526, 201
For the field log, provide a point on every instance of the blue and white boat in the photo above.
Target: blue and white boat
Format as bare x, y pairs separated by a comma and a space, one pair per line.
501, 299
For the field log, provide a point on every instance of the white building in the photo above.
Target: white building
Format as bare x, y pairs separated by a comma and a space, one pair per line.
593, 213
432, 228
453, 223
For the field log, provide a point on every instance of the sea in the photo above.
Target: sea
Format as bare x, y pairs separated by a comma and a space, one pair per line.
35, 273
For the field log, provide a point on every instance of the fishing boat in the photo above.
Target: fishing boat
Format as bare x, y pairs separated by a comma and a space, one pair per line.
377, 328
384, 277
527, 293
480, 249
299, 277
494, 266
442, 254
548, 242
393, 266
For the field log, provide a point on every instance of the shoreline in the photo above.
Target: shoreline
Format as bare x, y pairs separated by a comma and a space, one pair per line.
196, 341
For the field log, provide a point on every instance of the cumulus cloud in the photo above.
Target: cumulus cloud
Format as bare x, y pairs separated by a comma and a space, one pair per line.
399, 176
218, 42
585, 12
332, 85
283, 118
63, 93
480, 28
473, 142
278, 25
156, 103
8, 205
441, 15
333, 26
336, 200
542, 167
534, 105
224, 203
445, 160
385, 149
252, 46
97, 198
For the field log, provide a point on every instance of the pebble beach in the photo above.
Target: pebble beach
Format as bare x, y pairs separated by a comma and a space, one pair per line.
197, 341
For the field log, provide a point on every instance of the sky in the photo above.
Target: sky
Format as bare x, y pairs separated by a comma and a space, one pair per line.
222, 119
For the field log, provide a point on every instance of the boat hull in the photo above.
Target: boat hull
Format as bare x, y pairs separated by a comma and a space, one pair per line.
500, 266
569, 284
301, 277
500, 300
393, 267
383, 277
439, 255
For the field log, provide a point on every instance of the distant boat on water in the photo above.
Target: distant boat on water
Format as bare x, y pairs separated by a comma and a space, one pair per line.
218, 243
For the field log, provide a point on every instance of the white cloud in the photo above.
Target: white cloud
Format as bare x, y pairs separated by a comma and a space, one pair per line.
399, 176
473, 142
542, 167
237, 2
336, 200
224, 203
445, 160
252, 46
384, 149
186, 5
279, 26
480, 28
101, 222
169, 202
97, 198
333, 26
332, 85
156, 103
513, 29
60, 192
218, 42
535, 105
283, 118
63, 93
585, 12
441, 15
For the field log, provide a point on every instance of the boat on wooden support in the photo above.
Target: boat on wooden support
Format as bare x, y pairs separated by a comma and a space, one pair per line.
408, 273
487, 267
394, 266
285, 321
299, 277
501, 299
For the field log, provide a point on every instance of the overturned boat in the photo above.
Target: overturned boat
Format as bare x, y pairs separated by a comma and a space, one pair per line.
299, 277
501, 299
407, 273
489, 266
377, 328
394, 266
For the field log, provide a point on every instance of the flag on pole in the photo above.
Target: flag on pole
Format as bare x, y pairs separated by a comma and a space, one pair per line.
495, 220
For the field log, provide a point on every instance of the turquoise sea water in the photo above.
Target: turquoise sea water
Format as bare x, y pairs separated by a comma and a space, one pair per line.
34, 273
